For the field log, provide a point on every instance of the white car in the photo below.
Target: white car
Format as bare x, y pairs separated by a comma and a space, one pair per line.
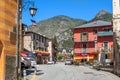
50, 62
68, 62
33, 62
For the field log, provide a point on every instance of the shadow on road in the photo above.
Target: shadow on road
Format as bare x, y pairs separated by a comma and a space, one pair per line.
39, 73
28, 71
31, 71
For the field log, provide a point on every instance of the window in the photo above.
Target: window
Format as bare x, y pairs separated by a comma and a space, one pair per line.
84, 47
95, 31
33, 36
84, 36
42, 39
34, 47
14, 29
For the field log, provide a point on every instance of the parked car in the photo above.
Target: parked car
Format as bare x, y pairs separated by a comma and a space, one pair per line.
25, 63
32, 61
68, 61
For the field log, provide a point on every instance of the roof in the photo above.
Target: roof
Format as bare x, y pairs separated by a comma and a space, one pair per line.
104, 33
95, 24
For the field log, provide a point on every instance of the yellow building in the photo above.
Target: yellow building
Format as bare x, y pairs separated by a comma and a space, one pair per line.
7, 39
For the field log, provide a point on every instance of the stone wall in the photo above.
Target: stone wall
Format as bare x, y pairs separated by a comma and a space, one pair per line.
116, 56
10, 68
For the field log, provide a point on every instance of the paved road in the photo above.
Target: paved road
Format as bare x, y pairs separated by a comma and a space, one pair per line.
60, 71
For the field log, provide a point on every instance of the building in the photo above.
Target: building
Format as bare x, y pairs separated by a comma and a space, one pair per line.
39, 44
116, 30
7, 39
91, 39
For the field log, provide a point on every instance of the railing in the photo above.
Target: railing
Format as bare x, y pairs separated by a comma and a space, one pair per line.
90, 39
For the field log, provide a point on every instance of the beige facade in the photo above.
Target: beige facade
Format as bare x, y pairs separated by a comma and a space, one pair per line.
50, 49
116, 15
116, 30
34, 41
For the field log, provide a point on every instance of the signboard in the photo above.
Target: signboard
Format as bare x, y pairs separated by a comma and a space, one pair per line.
84, 54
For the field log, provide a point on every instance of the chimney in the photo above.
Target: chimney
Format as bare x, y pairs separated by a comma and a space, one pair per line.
94, 21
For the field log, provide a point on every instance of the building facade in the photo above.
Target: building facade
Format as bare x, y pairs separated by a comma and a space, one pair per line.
39, 44
116, 30
92, 38
7, 39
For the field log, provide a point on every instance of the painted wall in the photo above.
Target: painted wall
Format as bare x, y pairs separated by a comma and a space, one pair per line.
7, 39
91, 37
91, 44
103, 39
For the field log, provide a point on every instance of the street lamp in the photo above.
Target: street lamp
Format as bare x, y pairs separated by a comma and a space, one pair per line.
32, 11
19, 31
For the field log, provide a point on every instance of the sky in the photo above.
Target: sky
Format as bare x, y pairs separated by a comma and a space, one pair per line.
80, 9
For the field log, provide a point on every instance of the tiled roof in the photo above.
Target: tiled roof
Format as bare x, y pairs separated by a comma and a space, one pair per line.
95, 24
104, 33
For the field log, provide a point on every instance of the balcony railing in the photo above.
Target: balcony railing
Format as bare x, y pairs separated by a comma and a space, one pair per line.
88, 40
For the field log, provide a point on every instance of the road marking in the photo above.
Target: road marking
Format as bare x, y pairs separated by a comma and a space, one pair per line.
34, 77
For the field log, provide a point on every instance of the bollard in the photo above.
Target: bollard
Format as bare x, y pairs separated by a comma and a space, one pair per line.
35, 69
24, 74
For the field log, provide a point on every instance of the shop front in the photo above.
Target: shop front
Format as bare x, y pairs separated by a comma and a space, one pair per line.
42, 57
83, 58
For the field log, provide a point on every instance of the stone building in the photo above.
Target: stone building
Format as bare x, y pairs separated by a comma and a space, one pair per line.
41, 45
7, 39
116, 30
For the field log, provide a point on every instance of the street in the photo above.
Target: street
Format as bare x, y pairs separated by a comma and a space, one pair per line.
60, 71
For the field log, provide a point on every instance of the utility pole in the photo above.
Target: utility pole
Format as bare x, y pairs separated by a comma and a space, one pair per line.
19, 34
18, 39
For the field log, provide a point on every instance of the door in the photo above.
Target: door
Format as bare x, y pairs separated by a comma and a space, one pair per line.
1, 48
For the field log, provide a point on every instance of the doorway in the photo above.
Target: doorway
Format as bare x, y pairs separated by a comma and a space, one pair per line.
1, 48
105, 46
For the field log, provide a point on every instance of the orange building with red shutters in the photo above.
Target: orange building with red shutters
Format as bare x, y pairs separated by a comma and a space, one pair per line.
91, 39
8, 10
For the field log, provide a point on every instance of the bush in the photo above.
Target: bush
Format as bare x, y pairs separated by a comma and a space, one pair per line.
76, 63
59, 56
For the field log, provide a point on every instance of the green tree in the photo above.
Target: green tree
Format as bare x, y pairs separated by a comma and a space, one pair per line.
70, 55
55, 41
59, 56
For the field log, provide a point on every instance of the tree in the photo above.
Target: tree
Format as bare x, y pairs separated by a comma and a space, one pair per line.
70, 55
55, 41
59, 56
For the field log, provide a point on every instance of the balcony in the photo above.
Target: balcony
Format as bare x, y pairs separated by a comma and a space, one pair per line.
88, 40
105, 33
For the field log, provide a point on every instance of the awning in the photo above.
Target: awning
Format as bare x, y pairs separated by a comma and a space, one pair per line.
83, 57
23, 54
42, 53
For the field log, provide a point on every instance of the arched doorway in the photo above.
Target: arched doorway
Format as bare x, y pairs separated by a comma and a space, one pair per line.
1, 48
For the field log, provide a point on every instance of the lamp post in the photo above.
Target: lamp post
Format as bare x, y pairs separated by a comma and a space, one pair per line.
19, 37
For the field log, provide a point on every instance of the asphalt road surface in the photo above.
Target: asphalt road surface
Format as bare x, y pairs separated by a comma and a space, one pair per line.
60, 71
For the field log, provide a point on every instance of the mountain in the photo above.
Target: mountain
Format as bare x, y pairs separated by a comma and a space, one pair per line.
56, 25
103, 15
61, 27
